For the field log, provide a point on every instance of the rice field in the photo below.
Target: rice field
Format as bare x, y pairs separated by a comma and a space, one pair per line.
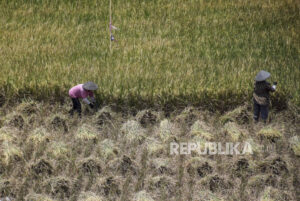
196, 55
197, 51
117, 155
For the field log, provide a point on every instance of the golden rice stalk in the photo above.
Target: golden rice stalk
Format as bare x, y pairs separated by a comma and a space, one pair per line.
58, 150
107, 149
200, 129
89, 196
9, 152
296, 149
233, 131
267, 195
295, 145
86, 133
38, 197
255, 147
270, 133
239, 115
133, 132
38, 136
155, 147
7, 135
142, 196
166, 130
27, 107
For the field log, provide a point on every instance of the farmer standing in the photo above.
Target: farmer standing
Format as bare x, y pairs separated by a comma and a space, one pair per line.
82, 91
261, 97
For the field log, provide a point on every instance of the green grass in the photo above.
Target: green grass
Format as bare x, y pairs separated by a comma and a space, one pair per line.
197, 51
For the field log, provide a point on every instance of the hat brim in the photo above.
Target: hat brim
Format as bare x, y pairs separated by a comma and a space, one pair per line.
262, 76
91, 86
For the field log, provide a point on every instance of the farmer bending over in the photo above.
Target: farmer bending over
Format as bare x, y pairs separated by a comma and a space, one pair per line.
261, 97
82, 91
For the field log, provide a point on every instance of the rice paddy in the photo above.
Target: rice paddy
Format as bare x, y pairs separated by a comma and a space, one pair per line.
178, 71
193, 52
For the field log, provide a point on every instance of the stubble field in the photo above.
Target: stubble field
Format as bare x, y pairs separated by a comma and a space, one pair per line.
122, 154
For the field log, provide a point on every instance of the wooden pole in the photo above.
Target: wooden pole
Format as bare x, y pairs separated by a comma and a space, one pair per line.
110, 31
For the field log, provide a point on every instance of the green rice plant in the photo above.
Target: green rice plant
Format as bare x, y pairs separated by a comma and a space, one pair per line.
201, 52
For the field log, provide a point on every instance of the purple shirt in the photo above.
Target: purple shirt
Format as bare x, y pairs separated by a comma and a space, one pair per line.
79, 92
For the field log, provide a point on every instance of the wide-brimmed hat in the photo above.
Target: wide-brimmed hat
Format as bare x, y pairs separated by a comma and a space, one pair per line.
262, 76
91, 86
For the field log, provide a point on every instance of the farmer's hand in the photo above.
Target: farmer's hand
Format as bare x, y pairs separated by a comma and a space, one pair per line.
274, 85
93, 100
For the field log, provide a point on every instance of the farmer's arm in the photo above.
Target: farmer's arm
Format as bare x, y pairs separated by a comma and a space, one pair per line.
85, 100
92, 97
92, 100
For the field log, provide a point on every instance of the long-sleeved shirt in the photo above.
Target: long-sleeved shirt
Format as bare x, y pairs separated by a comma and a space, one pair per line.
79, 92
262, 92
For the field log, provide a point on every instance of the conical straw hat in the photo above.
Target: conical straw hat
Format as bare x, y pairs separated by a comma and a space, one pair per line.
262, 75
90, 86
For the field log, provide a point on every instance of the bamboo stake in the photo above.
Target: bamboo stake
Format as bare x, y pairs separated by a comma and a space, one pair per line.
110, 31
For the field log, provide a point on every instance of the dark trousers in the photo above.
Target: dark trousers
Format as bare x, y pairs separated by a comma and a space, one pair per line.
260, 111
76, 106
